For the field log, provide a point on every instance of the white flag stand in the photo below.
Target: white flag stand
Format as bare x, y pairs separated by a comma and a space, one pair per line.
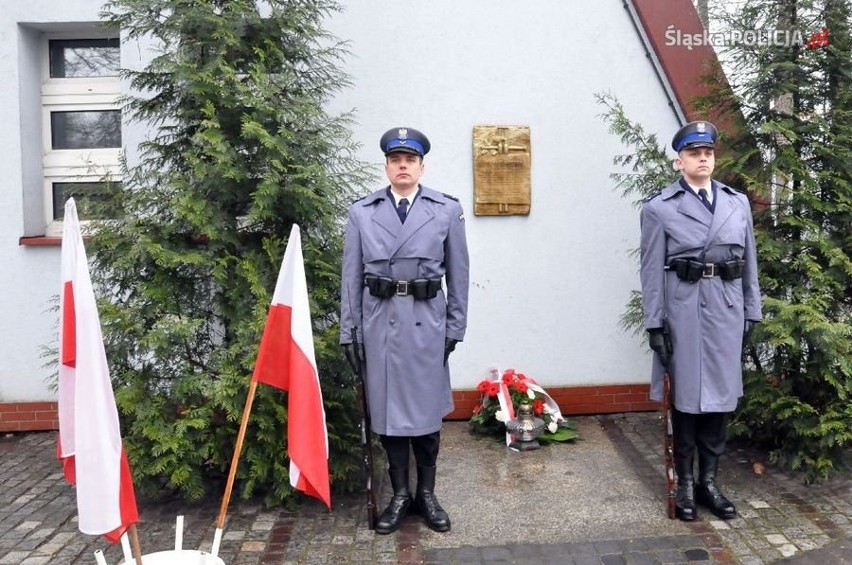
177, 556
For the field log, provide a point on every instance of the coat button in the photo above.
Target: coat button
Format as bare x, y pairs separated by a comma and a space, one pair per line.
392, 321
417, 324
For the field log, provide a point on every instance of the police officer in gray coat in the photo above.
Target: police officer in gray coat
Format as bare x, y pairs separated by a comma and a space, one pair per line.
700, 299
404, 296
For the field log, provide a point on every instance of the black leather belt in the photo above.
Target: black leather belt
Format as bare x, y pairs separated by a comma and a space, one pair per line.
692, 270
386, 287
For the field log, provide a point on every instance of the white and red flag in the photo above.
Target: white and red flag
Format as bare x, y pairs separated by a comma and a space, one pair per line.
286, 360
89, 435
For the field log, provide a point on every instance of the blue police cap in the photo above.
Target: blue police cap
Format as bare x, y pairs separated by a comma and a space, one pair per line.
408, 140
695, 134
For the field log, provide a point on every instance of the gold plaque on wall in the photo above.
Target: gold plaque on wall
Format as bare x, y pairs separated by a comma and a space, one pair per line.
501, 170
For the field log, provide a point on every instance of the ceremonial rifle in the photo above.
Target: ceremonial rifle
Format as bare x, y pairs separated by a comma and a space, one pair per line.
668, 433
366, 444
669, 441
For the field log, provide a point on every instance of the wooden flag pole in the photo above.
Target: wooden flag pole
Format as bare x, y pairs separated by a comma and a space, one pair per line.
134, 542
223, 510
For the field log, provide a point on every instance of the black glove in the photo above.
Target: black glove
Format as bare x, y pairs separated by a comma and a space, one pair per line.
449, 347
747, 329
660, 343
354, 355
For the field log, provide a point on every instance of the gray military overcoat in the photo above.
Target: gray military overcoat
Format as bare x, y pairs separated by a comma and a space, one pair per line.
706, 318
408, 385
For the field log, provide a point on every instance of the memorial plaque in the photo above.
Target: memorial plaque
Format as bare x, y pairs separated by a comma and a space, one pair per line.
501, 170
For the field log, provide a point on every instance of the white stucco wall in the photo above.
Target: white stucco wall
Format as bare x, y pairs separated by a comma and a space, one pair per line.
30, 275
547, 289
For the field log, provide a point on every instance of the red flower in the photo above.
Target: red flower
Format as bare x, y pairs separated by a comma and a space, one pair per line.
521, 390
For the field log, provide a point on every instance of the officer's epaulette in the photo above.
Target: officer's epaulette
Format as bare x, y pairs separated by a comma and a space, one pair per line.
366, 196
450, 196
724, 186
656, 194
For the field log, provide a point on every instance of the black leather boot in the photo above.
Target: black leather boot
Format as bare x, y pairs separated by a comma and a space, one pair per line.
685, 497
392, 517
707, 493
427, 504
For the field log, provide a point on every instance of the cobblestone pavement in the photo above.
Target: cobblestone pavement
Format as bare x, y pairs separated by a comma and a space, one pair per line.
600, 500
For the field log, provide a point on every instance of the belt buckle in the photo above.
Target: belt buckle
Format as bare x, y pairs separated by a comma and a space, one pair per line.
401, 288
709, 271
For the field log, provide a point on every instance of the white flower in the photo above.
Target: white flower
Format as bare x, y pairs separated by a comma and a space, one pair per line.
552, 427
500, 416
530, 394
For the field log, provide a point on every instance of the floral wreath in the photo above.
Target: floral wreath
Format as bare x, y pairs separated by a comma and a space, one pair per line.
502, 395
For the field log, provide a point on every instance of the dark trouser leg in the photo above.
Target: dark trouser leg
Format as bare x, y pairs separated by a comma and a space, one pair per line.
426, 454
397, 452
683, 432
711, 445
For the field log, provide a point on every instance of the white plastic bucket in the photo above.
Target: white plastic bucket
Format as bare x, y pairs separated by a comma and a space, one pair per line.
178, 557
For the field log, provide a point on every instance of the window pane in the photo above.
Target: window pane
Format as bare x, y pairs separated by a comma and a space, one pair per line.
85, 130
95, 200
73, 58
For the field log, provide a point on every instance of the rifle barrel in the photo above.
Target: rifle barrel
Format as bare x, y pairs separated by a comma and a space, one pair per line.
366, 444
668, 435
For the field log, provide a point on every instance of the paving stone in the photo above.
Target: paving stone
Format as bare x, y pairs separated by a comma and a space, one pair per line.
641, 558
586, 560
14, 557
779, 517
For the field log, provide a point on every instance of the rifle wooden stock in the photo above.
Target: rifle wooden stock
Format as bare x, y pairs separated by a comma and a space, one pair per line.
366, 444
668, 453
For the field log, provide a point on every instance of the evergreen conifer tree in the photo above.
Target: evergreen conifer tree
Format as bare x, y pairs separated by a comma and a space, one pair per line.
239, 147
793, 155
796, 99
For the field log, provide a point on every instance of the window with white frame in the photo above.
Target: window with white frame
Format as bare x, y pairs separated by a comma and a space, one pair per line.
81, 121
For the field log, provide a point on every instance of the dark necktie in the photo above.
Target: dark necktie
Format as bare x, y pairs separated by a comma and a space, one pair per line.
702, 194
402, 209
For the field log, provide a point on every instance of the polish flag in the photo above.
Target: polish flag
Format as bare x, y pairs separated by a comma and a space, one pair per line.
89, 437
506, 405
286, 360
